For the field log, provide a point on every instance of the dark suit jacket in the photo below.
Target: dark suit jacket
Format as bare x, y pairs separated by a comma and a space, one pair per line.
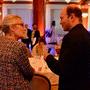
15, 69
37, 36
73, 65
27, 41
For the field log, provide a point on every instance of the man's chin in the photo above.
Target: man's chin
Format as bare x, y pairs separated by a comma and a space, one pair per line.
66, 29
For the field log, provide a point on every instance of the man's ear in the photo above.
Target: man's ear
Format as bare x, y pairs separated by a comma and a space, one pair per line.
72, 16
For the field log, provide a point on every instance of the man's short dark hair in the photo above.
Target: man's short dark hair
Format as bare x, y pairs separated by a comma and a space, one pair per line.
74, 10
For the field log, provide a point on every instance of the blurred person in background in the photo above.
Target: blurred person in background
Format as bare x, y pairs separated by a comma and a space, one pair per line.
73, 65
51, 34
27, 40
15, 69
35, 35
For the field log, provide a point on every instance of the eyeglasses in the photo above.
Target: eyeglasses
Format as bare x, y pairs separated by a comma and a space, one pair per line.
21, 24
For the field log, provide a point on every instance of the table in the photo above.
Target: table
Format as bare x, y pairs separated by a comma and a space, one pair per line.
41, 67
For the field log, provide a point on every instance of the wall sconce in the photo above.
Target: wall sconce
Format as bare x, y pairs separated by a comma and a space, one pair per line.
84, 14
84, 9
0, 13
67, 1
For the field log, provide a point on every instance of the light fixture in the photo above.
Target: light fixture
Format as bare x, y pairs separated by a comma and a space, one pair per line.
84, 14
67, 1
0, 13
13, 0
84, 9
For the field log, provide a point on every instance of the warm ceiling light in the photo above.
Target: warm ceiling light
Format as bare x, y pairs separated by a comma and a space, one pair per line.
13, 0
67, 1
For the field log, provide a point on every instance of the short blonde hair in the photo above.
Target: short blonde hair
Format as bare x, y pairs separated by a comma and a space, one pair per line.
8, 20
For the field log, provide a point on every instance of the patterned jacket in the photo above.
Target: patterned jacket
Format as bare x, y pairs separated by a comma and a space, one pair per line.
15, 70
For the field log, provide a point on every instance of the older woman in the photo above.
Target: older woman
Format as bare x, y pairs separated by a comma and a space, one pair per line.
15, 70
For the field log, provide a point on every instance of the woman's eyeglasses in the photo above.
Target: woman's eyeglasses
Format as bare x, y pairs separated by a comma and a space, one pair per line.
21, 24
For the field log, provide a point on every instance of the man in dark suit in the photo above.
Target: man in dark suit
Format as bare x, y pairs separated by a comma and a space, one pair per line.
27, 40
73, 65
35, 35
